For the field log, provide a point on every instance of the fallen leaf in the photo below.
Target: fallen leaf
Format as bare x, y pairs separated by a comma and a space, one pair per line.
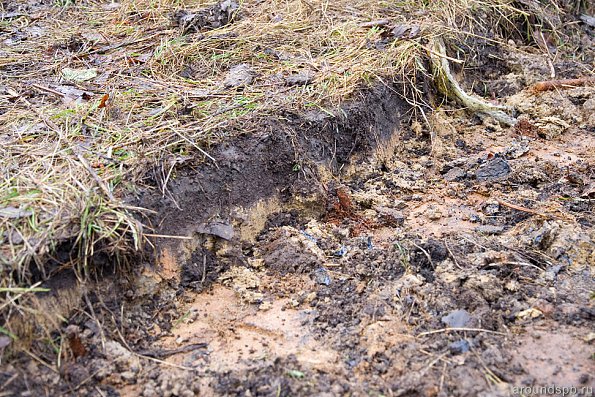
71, 94
219, 229
294, 373
104, 99
79, 75
528, 314
14, 213
76, 345
239, 75
589, 20
4, 341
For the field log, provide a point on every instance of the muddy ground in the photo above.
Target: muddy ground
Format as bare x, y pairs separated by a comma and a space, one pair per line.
365, 255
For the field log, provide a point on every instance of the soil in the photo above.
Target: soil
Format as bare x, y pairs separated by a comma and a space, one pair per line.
357, 255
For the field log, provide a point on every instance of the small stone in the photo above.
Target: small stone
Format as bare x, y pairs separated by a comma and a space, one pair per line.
529, 313
491, 207
310, 297
433, 213
321, 276
302, 78
495, 168
455, 174
459, 347
474, 218
517, 149
552, 272
4, 341
256, 263
490, 229
149, 391
456, 319
128, 376
239, 75
545, 307
512, 286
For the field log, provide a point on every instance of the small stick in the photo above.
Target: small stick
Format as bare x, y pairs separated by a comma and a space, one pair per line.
441, 55
438, 331
452, 255
47, 89
127, 346
564, 83
427, 255
96, 177
105, 49
524, 209
518, 264
195, 146
376, 23
162, 353
168, 236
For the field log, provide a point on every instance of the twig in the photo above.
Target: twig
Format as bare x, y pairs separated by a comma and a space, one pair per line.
475, 243
452, 255
443, 359
127, 346
441, 55
96, 177
87, 379
204, 270
524, 209
442, 377
559, 84
105, 49
427, 255
39, 360
168, 236
195, 146
101, 393
11, 15
94, 318
47, 89
438, 331
162, 353
8, 382
518, 264
374, 24
449, 86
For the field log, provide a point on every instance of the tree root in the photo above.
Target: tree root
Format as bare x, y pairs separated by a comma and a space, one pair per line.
449, 87
561, 84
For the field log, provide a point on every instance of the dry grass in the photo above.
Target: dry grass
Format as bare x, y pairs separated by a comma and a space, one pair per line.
69, 163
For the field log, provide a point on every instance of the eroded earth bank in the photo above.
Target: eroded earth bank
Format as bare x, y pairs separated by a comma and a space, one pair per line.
362, 254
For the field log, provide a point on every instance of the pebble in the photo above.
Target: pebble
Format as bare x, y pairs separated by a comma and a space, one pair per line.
459, 347
456, 319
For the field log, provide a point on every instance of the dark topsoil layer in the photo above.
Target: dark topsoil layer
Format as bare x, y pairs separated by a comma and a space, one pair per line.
281, 158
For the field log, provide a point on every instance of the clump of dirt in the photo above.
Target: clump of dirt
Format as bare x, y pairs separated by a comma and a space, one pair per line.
216, 16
